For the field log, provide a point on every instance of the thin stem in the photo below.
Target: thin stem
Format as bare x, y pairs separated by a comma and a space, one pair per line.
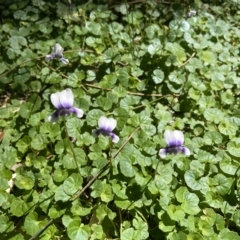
104, 167
89, 183
120, 216
131, 93
70, 144
41, 230
188, 60
150, 102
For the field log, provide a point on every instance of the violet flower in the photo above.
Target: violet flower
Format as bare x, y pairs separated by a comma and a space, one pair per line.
174, 140
63, 101
106, 126
57, 53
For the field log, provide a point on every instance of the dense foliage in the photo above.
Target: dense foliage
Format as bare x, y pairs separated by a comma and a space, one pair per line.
151, 66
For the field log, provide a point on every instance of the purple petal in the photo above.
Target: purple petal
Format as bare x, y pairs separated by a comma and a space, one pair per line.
174, 150
64, 60
54, 117
114, 137
49, 57
64, 112
186, 151
77, 111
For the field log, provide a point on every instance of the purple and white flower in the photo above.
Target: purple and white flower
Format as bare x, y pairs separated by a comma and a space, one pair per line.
174, 140
106, 126
63, 101
57, 53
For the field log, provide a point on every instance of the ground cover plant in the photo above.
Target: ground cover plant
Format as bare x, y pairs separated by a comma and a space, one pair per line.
119, 120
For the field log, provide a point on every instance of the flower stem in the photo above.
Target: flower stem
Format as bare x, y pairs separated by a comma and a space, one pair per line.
71, 147
104, 167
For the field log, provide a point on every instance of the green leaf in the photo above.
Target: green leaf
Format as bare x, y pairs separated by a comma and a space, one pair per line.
233, 147
222, 184
77, 231
25, 110
39, 142
175, 213
60, 175
212, 137
228, 128
189, 201
128, 234
126, 168
195, 181
72, 184
213, 200
93, 28
211, 113
104, 103
5, 224
227, 234
56, 211
32, 225
24, 182
229, 167
208, 57
18, 207
177, 51
23, 144
61, 195
158, 76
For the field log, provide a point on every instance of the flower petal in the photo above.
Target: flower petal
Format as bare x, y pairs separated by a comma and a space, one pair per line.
173, 138
55, 99
186, 151
107, 124
49, 57
58, 50
54, 117
64, 60
95, 133
114, 137
66, 98
162, 153
77, 111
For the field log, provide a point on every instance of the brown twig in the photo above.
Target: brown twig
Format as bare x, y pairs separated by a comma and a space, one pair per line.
188, 60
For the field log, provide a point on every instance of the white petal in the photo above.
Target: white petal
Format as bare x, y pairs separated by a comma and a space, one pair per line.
186, 151
77, 111
162, 153
49, 57
66, 98
107, 124
102, 121
55, 99
64, 60
58, 50
173, 138
115, 138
